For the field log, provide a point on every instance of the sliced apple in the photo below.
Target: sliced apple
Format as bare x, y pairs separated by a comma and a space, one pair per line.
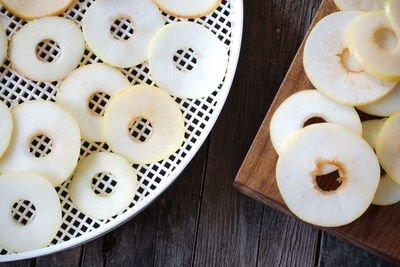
156, 106
388, 191
188, 9
78, 89
42, 229
392, 8
6, 128
385, 106
296, 110
33, 9
363, 5
24, 42
375, 45
145, 18
388, 147
103, 206
331, 68
43, 118
296, 175
3, 44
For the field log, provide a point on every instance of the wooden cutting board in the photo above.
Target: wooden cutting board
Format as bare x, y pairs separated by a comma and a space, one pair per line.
377, 231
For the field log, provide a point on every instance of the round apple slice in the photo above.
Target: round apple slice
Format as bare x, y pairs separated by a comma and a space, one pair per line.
375, 45
25, 42
33, 9
125, 49
3, 44
296, 110
296, 175
188, 9
85, 93
39, 232
187, 60
388, 147
143, 105
392, 8
388, 191
46, 141
363, 5
385, 106
6, 128
331, 68
103, 205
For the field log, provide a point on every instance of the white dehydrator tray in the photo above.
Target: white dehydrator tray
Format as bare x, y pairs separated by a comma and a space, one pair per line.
200, 116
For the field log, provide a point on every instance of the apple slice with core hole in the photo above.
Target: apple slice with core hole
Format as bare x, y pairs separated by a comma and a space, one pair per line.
388, 191
33, 9
296, 175
386, 106
375, 45
332, 69
363, 5
392, 8
295, 111
388, 147
6, 127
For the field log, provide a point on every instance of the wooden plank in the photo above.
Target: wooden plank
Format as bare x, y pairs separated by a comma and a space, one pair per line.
376, 231
23, 263
230, 224
285, 241
163, 234
71, 257
336, 252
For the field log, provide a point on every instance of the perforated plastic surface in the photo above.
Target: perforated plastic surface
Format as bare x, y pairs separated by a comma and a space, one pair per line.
199, 114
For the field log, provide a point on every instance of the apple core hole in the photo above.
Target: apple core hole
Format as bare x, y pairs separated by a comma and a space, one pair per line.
348, 62
40, 145
140, 129
122, 29
329, 182
313, 120
103, 183
23, 211
386, 38
48, 51
185, 59
97, 103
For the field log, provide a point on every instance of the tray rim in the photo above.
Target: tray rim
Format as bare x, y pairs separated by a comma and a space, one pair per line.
237, 32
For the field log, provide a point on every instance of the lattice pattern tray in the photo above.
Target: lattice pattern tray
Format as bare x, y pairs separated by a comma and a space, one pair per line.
199, 114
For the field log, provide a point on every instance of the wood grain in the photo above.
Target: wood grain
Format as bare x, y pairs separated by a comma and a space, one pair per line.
377, 230
200, 219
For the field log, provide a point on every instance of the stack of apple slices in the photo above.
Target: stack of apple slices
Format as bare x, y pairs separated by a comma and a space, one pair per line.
352, 58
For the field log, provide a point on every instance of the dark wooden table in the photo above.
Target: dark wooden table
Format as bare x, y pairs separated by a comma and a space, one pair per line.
201, 220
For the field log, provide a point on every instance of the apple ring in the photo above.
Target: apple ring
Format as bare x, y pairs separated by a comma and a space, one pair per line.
43, 118
6, 128
60, 30
386, 106
388, 192
188, 9
375, 45
154, 105
3, 44
80, 86
33, 9
331, 68
39, 232
392, 8
103, 206
209, 52
387, 147
143, 15
362, 5
291, 115
296, 175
